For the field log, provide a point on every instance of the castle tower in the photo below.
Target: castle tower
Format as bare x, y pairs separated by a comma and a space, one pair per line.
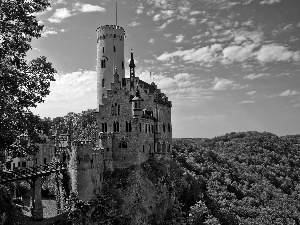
110, 55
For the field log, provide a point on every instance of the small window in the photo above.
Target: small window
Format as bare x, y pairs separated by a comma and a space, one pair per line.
18, 164
140, 127
102, 49
103, 36
45, 161
115, 35
143, 148
123, 65
114, 48
103, 82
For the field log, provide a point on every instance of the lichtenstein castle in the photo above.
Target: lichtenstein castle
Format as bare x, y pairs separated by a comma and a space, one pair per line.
134, 118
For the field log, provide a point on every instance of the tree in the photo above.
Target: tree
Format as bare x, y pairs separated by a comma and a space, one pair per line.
22, 84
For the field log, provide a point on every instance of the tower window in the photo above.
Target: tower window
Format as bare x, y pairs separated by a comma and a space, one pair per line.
102, 63
115, 35
114, 48
103, 82
122, 65
102, 49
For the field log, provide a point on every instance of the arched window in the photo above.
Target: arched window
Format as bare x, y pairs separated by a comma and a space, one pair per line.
103, 81
118, 109
102, 63
164, 128
102, 49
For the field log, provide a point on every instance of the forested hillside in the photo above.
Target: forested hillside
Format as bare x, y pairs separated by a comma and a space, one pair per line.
239, 178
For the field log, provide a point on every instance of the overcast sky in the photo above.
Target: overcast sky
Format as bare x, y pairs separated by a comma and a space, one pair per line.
227, 65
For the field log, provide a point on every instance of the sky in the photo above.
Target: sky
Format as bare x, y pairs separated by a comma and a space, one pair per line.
226, 65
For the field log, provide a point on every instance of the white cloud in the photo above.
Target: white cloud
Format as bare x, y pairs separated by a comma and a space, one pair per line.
222, 84
206, 54
165, 24
192, 21
167, 35
251, 92
59, 15
272, 53
71, 92
88, 8
246, 102
238, 53
289, 93
134, 24
152, 41
195, 13
140, 9
255, 76
179, 38
269, 2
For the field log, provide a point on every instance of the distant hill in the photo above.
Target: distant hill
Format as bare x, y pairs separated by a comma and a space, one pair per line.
239, 178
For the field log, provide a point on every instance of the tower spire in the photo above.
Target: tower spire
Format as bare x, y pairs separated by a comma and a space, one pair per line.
132, 72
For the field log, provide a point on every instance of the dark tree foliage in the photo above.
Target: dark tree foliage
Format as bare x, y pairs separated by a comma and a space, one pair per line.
22, 84
240, 178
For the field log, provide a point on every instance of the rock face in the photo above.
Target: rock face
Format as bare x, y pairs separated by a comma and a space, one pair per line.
145, 191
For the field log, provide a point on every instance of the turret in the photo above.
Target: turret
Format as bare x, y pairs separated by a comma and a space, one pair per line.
110, 55
137, 104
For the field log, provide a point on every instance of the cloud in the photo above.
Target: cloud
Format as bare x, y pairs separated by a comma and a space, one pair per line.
222, 84
56, 2
246, 102
251, 92
288, 93
152, 41
181, 86
140, 9
167, 35
195, 13
269, 2
46, 32
179, 38
238, 53
255, 76
205, 54
59, 15
192, 21
165, 24
71, 92
88, 8
273, 53
134, 24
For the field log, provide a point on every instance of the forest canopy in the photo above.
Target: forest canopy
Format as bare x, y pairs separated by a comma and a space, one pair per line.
240, 178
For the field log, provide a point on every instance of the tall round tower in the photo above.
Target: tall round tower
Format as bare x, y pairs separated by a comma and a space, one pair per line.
110, 55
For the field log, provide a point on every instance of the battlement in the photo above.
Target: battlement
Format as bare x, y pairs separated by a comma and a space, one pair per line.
109, 29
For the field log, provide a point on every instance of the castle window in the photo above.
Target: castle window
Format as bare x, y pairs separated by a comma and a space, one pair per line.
122, 65
102, 49
118, 109
158, 149
143, 148
164, 128
124, 144
116, 126
103, 36
103, 82
140, 127
169, 128
45, 161
114, 48
115, 36
102, 63
107, 149
145, 128
128, 126
112, 109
